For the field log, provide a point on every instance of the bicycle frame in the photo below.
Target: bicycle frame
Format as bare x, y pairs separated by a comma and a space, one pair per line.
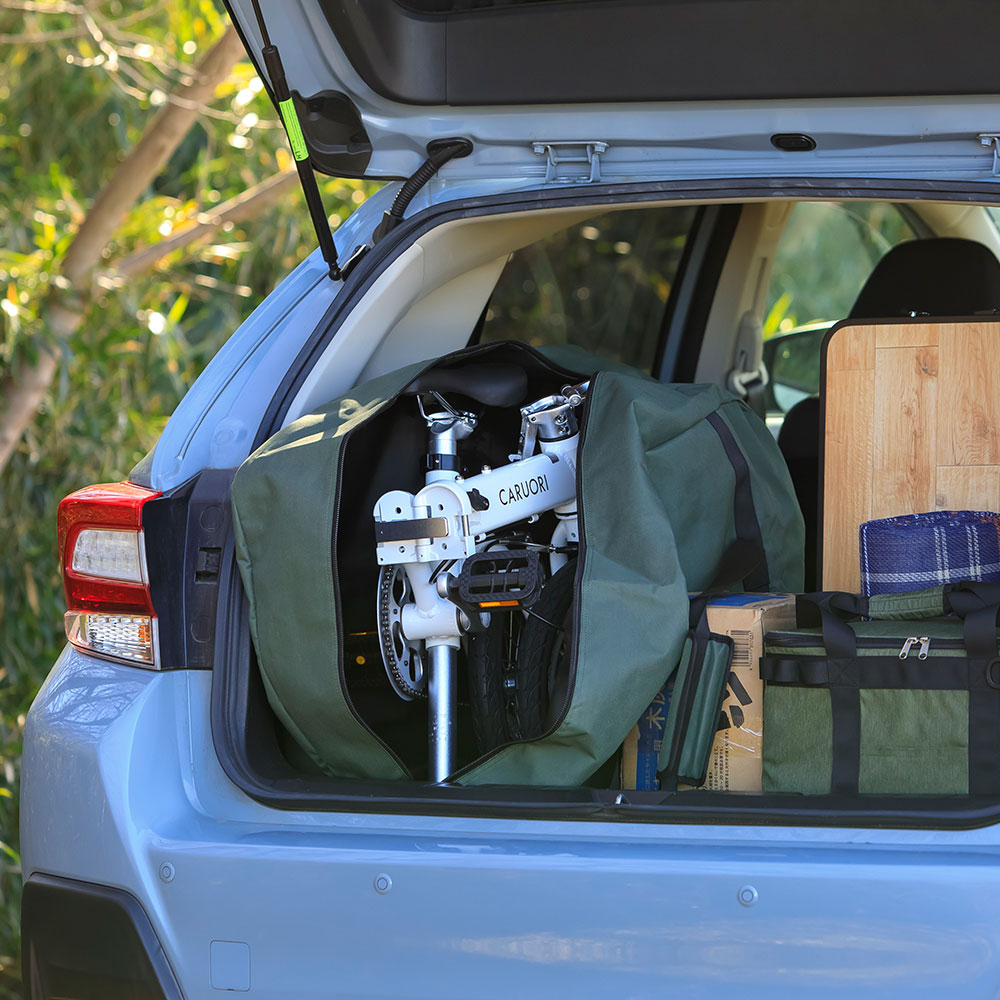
432, 532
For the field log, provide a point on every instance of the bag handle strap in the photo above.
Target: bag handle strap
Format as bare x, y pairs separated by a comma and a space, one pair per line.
828, 609
978, 604
915, 605
738, 562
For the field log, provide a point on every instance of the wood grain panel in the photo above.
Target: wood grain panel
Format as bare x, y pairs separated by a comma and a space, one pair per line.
906, 336
964, 487
848, 473
852, 348
903, 469
910, 427
969, 414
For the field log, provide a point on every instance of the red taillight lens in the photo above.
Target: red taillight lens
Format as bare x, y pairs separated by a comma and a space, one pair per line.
102, 554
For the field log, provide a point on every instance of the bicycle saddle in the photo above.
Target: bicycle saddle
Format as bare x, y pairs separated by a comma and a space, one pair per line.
495, 384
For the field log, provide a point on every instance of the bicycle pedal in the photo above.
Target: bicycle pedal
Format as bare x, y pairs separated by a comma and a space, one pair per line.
501, 578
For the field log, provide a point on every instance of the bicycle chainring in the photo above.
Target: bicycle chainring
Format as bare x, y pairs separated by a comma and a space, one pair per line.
403, 659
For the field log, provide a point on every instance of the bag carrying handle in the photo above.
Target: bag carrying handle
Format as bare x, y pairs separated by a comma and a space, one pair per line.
978, 604
737, 563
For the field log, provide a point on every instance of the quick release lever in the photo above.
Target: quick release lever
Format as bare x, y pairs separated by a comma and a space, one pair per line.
300, 152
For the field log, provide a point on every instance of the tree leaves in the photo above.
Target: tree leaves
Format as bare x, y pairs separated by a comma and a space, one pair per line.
79, 83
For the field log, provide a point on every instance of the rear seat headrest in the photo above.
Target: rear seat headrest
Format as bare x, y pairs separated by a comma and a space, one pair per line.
933, 277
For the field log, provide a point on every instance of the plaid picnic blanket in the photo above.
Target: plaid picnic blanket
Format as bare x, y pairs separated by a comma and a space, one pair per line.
915, 551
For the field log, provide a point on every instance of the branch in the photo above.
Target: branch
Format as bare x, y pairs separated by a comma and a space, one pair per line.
146, 159
21, 396
21, 399
42, 37
243, 206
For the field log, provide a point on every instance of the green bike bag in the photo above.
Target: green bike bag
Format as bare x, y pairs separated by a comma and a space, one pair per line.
668, 476
905, 703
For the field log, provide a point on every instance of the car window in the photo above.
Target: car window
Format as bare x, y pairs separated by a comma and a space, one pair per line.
825, 255
602, 285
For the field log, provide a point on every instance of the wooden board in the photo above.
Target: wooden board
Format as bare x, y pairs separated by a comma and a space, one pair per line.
912, 424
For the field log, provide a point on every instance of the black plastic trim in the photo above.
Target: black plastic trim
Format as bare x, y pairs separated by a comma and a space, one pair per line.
682, 290
706, 284
185, 533
793, 142
334, 132
91, 942
683, 50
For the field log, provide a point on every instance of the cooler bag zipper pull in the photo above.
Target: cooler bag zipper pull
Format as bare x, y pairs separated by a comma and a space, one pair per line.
925, 645
905, 651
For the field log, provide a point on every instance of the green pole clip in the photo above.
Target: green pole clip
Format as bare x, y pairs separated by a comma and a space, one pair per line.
294, 129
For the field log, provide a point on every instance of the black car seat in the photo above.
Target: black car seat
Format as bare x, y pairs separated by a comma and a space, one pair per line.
932, 277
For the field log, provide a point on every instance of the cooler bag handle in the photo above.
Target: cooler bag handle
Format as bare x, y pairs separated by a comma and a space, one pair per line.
978, 604
827, 609
912, 606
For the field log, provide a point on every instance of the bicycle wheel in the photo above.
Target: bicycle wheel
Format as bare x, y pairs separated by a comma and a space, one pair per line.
517, 664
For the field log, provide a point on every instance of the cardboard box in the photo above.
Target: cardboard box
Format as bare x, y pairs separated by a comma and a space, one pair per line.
641, 749
735, 762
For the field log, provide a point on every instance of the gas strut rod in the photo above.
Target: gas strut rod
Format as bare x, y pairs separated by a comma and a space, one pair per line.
300, 151
439, 152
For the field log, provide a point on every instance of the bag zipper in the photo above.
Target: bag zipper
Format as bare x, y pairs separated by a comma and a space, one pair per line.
796, 639
338, 604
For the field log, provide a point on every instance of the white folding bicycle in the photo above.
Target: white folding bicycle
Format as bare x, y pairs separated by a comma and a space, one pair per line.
443, 581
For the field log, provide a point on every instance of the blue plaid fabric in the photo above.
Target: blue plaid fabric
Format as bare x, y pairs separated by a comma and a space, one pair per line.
916, 551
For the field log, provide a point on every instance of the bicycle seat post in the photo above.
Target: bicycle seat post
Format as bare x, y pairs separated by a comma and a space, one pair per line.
445, 428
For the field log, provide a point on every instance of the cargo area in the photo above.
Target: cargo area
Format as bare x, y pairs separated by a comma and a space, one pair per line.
694, 292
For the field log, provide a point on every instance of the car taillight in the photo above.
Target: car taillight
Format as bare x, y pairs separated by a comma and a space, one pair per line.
103, 558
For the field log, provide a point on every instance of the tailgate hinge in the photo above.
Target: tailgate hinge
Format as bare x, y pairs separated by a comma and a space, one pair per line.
560, 153
992, 139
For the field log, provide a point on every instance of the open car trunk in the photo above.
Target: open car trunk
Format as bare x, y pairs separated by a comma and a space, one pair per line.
427, 293
672, 76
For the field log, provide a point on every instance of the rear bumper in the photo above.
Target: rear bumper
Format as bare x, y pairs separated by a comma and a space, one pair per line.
122, 789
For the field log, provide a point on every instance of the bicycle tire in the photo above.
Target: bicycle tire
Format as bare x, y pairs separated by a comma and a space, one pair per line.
511, 676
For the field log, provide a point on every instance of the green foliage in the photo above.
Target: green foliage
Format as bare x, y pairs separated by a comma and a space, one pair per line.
78, 84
